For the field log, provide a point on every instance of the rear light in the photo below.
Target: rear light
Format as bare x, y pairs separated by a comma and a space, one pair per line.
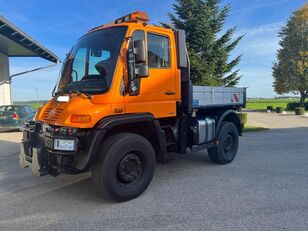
15, 116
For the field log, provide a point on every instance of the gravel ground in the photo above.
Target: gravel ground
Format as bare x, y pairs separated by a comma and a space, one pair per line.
265, 188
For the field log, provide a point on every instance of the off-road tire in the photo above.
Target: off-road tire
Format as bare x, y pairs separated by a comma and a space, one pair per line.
228, 141
108, 175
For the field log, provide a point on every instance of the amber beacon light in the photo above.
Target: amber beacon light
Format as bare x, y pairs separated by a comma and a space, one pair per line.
136, 16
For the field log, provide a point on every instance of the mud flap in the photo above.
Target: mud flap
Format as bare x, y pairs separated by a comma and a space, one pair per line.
22, 157
36, 165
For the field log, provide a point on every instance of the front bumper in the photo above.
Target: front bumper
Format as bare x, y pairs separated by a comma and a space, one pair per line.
37, 150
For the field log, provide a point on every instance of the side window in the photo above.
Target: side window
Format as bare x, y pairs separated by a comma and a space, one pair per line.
9, 108
79, 65
98, 56
21, 111
138, 35
27, 110
158, 51
30, 110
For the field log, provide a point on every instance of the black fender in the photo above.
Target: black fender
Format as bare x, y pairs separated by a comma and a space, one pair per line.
158, 140
229, 115
101, 129
115, 120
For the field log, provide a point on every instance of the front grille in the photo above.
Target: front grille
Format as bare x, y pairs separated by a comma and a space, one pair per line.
51, 114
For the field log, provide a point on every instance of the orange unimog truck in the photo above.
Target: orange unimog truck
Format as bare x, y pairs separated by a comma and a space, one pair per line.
124, 100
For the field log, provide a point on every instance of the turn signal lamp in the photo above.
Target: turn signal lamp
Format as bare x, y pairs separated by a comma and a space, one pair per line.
133, 17
81, 119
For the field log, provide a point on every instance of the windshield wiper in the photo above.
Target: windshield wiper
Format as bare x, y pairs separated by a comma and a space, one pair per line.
80, 92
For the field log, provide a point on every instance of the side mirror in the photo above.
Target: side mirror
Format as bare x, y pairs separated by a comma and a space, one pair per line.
142, 71
139, 51
136, 63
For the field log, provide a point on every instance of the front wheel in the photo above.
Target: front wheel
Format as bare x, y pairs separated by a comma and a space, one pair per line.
125, 166
228, 141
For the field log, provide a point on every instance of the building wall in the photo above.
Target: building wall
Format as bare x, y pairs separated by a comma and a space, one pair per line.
5, 82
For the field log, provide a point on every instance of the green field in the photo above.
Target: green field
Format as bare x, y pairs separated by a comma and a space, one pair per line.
250, 128
261, 104
35, 105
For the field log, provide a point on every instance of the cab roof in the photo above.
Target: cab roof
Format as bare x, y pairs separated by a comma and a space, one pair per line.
135, 19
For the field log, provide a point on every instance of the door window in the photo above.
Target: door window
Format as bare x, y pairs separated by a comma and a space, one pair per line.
138, 35
158, 51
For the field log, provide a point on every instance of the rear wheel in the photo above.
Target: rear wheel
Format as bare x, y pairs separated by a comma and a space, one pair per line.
225, 151
125, 166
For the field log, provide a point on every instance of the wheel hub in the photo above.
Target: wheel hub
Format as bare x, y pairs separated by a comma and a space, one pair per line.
228, 143
130, 168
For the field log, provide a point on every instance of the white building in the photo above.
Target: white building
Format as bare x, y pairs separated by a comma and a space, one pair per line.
16, 43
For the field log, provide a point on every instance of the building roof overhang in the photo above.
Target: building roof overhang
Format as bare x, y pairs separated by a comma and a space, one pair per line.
16, 43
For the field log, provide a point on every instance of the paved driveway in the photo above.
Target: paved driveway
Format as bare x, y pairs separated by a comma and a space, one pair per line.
274, 120
265, 188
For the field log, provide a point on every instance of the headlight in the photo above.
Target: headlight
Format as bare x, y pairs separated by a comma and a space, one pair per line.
64, 144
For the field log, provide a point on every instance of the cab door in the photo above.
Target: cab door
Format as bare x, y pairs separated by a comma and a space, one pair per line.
156, 93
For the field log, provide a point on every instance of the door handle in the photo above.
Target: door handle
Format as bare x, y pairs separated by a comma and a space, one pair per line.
169, 93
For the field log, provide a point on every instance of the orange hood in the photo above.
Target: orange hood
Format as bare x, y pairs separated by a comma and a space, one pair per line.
60, 113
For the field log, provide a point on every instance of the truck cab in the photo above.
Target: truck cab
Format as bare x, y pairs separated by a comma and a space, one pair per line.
124, 100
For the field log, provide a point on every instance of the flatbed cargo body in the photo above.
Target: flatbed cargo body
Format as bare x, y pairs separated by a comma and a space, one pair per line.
207, 97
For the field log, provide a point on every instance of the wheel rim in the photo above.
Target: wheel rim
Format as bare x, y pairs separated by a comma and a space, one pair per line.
130, 169
228, 143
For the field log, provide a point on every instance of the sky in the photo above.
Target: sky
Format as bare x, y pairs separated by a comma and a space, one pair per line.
58, 24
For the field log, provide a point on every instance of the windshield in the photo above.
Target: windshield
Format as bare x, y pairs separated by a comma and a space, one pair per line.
90, 65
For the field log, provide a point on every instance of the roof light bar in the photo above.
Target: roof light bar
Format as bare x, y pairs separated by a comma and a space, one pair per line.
136, 16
